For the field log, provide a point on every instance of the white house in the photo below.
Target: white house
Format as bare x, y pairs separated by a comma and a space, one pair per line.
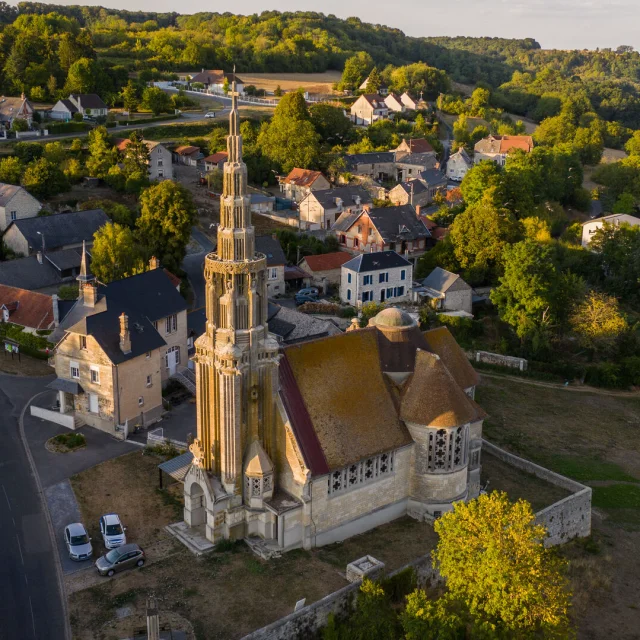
408, 101
368, 108
394, 103
16, 204
447, 292
591, 226
320, 209
384, 276
160, 165
213, 80
458, 165
86, 104
497, 148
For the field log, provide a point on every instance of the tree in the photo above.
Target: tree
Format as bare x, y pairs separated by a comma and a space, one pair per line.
478, 180
426, 619
156, 100
117, 212
102, 155
491, 553
598, 322
374, 81
373, 619
43, 179
115, 254
330, 122
83, 76
167, 214
480, 236
461, 136
130, 96
19, 124
55, 152
11, 170
27, 152
356, 69
290, 140
226, 85
136, 155
633, 144
73, 170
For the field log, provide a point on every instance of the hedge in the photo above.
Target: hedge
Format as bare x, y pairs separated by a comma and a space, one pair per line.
152, 119
68, 127
30, 344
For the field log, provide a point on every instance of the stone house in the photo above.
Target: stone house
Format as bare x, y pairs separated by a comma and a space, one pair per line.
187, 155
413, 192
262, 204
591, 226
299, 183
415, 145
435, 181
29, 236
14, 107
383, 276
276, 261
292, 327
458, 164
320, 209
16, 204
28, 309
213, 80
497, 148
160, 161
394, 103
215, 161
398, 229
368, 108
395, 166
447, 291
86, 104
325, 268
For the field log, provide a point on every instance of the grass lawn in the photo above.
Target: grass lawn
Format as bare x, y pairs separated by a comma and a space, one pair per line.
216, 592
594, 439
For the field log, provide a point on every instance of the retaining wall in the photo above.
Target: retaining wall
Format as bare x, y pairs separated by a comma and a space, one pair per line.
503, 361
568, 518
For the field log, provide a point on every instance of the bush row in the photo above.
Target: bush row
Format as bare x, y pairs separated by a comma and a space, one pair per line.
67, 127
170, 116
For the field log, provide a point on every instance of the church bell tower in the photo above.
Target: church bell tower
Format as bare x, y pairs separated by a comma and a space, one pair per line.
236, 359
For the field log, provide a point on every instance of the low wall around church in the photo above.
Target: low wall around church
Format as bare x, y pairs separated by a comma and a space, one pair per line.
568, 518
501, 360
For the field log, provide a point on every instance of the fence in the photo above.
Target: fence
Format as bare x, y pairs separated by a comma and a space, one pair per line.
156, 437
503, 361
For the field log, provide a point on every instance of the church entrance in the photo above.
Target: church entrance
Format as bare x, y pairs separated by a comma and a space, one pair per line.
198, 503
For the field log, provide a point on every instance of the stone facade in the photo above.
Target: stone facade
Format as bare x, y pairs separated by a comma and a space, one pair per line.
160, 164
175, 355
275, 280
384, 285
16, 206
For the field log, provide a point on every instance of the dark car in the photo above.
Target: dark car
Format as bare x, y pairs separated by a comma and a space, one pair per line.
306, 297
124, 557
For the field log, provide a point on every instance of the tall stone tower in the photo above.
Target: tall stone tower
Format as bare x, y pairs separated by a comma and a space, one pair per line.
236, 367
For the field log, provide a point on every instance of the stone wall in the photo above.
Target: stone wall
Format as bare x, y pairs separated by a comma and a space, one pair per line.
568, 518
307, 621
503, 361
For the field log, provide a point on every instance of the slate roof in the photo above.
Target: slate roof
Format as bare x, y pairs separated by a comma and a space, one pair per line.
379, 157
375, 261
12, 105
440, 279
270, 246
375, 100
65, 258
89, 100
301, 177
348, 195
7, 191
27, 308
418, 186
426, 160
197, 322
395, 224
28, 273
68, 104
461, 152
294, 326
61, 229
327, 261
433, 177
215, 76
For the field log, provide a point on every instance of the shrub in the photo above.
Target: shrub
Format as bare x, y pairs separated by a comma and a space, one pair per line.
400, 585
463, 329
67, 127
631, 370
68, 292
347, 312
320, 307
70, 440
605, 374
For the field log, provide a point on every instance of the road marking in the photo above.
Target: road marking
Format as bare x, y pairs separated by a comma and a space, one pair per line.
20, 549
33, 620
7, 497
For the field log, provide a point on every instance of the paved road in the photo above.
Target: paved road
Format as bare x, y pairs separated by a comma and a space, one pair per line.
30, 599
193, 265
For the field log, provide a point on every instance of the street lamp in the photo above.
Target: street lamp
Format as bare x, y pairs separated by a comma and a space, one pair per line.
41, 234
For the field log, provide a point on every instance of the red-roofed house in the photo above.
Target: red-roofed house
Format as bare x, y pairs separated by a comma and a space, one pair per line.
160, 167
186, 154
301, 182
215, 161
324, 269
496, 148
26, 308
415, 145
213, 80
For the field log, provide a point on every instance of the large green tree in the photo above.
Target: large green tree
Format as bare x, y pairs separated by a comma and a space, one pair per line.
478, 180
11, 170
43, 179
102, 155
167, 214
115, 253
156, 100
356, 70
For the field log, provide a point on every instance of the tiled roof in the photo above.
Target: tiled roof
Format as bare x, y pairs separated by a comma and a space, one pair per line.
175, 281
503, 144
327, 261
7, 191
122, 143
217, 158
214, 76
27, 308
270, 246
186, 150
441, 341
10, 106
375, 100
419, 145
375, 261
302, 177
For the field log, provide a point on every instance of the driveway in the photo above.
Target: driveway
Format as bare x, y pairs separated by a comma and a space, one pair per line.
177, 424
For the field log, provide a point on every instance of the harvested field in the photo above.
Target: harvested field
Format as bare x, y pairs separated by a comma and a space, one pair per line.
312, 82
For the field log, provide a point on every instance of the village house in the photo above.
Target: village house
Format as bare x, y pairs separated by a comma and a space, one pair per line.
415, 145
12, 108
368, 108
160, 165
299, 183
28, 309
28, 236
408, 101
293, 327
458, 165
16, 204
383, 90
324, 269
213, 80
262, 204
276, 261
384, 229
497, 148
383, 276
616, 219
117, 347
395, 166
320, 209
435, 181
215, 161
86, 104
187, 155
447, 292
394, 103
413, 192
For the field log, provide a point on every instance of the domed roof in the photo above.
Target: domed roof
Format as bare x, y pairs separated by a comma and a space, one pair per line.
393, 317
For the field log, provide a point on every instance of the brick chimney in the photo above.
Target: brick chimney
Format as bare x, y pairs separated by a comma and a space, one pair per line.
418, 208
56, 310
125, 336
89, 294
154, 263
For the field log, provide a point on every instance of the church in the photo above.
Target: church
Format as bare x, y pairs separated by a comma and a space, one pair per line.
315, 442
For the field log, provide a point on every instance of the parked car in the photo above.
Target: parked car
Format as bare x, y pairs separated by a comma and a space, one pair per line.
301, 299
124, 557
308, 291
78, 542
112, 531
210, 114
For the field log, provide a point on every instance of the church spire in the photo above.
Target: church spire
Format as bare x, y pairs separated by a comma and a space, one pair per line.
85, 272
234, 140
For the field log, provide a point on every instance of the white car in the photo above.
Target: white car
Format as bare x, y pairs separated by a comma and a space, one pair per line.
210, 114
112, 531
78, 541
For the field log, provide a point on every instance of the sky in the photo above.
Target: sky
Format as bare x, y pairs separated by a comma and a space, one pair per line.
560, 24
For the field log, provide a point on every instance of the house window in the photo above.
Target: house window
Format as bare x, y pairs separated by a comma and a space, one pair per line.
348, 278
75, 370
149, 378
95, 374
367, 296
83, 342
171, 323
390, 292
356, 242
161, 173
14, 215
400, 291
155, 325
160, 162
359, 228
348, 294
273, 274
141, 401
383, 277
367, 280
